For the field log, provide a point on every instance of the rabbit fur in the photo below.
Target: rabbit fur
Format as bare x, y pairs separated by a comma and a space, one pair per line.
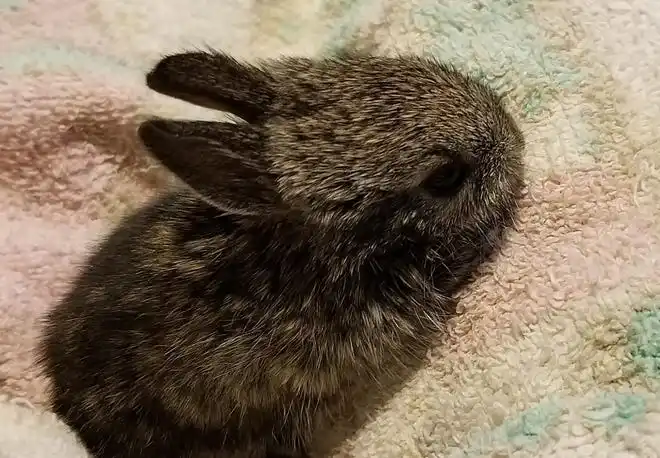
309, 245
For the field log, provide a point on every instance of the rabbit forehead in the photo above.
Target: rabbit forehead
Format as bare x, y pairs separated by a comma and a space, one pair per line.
379, 100
384, 140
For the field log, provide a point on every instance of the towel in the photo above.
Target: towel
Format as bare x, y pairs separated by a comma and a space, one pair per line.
555, 350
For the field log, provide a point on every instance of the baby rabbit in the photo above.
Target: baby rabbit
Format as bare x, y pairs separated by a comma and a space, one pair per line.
306, 247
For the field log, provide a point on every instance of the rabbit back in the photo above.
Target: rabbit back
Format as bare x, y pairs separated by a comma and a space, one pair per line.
190, 320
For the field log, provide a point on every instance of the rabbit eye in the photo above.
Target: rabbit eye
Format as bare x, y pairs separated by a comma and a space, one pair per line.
447, 180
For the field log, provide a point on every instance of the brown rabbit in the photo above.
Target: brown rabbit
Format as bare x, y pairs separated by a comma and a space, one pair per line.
305, 249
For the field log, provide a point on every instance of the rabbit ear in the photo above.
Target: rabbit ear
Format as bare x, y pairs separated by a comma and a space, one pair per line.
214, 80
221, 161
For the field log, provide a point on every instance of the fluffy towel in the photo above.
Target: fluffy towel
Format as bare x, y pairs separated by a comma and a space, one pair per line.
556, 351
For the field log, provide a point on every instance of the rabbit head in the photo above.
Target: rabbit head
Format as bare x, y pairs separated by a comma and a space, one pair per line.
407, 139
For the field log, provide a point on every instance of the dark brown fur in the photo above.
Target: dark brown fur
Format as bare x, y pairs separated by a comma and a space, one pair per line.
311, 246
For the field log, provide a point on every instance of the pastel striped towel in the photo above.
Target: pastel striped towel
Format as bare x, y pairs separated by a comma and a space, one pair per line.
556, 350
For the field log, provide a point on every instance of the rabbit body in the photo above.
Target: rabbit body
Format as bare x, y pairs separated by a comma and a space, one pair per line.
308, 248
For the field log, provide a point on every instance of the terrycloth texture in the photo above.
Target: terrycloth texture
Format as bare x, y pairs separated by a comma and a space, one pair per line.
557, 348
30, 433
